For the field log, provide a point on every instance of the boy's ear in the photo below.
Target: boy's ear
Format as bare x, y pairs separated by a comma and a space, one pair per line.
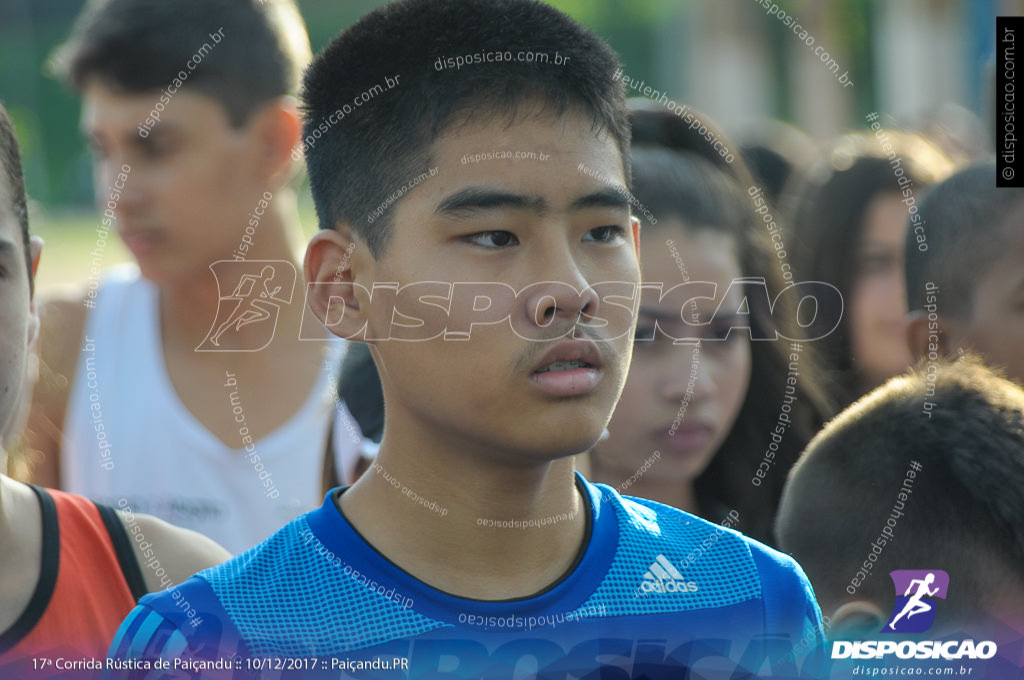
925, 336
278, 128
35, 246
636, 234
332, 294
857, 620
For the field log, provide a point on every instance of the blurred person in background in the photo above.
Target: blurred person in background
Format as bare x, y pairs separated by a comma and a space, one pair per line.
849, 216
695, 421
70, 569
189, 110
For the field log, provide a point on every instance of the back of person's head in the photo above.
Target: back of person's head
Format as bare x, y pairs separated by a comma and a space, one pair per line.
678, 173
968, 218
253, 51
829, 206
379, 95
960, 281
925, 472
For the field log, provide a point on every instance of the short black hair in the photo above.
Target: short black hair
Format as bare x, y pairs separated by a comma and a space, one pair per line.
388, 61
963, 424
965, 221
10, 158
142, 45
827, 206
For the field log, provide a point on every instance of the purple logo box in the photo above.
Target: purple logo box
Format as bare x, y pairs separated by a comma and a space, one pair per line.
916, 593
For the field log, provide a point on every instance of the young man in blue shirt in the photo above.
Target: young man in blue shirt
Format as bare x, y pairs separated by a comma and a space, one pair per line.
471, 547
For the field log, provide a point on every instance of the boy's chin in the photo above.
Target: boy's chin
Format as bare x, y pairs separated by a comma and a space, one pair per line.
563, 444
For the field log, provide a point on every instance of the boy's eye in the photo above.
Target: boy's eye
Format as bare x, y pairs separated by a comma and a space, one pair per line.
493, 239
157, 149
607, 234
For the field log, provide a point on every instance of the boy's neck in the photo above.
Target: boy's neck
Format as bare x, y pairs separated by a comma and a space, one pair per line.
453, 518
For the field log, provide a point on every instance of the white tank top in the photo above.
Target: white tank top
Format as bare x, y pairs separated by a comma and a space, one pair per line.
128, 439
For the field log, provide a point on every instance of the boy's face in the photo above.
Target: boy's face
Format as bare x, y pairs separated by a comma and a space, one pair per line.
18, 323
192, 181
995, 328
518, 222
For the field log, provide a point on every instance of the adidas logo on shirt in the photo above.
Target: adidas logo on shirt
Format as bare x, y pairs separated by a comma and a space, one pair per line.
663, 577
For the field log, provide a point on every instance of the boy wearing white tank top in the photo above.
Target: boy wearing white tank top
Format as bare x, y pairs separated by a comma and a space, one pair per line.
172, 386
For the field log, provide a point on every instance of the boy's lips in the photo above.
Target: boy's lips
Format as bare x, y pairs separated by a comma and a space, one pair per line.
140, 241
570, 368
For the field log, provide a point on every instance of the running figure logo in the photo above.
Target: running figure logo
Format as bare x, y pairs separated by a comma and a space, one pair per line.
915, 609
258, 289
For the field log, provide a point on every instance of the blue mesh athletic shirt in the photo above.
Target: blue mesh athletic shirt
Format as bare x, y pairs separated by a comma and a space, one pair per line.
654, 592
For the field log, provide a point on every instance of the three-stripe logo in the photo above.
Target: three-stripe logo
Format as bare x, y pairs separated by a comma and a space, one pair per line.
663, 577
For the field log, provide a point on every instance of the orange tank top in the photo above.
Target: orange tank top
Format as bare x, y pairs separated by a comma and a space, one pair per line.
89, 581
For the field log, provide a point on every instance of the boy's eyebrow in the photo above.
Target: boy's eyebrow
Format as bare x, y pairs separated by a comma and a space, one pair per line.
472, 199
608, 197
164, 129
